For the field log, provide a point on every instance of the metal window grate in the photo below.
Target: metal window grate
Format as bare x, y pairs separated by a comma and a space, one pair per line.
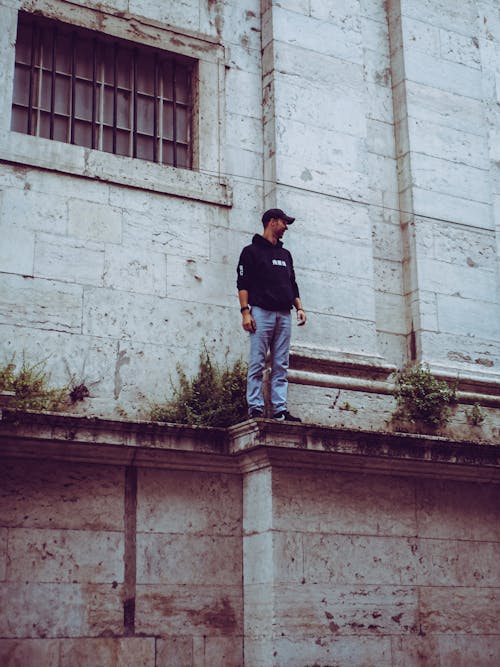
80, 87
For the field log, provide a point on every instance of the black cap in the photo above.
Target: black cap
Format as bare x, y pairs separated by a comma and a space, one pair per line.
276, 213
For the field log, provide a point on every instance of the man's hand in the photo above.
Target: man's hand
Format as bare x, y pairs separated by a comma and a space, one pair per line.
301, 317
248, 323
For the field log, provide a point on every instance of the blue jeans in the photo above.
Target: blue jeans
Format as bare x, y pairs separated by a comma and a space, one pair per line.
274, 330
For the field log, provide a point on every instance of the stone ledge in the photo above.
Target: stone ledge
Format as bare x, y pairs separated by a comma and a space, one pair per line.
251, 445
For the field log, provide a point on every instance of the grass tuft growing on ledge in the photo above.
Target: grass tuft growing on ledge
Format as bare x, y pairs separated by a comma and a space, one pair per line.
214, 397
30, 385
421, 397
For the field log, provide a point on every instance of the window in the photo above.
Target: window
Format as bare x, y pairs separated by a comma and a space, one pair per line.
81, 87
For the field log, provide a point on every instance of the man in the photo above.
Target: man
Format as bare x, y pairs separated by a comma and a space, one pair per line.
267, 291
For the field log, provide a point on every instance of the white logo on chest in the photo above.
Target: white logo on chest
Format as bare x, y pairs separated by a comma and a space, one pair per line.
279, 262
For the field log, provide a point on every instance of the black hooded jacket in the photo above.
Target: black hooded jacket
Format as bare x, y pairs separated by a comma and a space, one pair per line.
266, 272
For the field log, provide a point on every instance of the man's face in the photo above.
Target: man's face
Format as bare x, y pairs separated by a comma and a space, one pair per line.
279, 227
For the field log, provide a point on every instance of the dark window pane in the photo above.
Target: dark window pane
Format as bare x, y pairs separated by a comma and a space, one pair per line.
62, 95
107, 139
83, 134
168, 81
21, 86
45, 101
124, 67
83, 100
182, 93
47, 41
145, 147
109, 96
168, 120
61, 129
84, 58
145, 115
23, 43
123, 102
182, 156
145, 74
182, 124
64, 53
19, 120
168, 152
44, 125
109, 64
123, 142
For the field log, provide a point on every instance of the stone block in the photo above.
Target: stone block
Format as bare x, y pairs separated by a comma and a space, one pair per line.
201, 281
451, 208
176, 651
258, 558
466, 281
451, 77
244, 91
135, 270
448, 109
350, 298
112, 652
312, 610
461, 49
464, 148
456, 180
58, 495
379, 105
472, 611
49, 610
43, 304
464, 247
243, 163
464, 651
420, 36
29, 652
223, 651
390, 313
414, 651
94, 222
189, 559
476, 354
336, 333
468, 317
68, 260
34, 211
244, 132
343, 503
318, 35
457, 510
444, 13
16, 250
71, 187
257, 501
65, 556
189, 609
343, 112
346, 559
259, 612
188, 502
327, 650
182, 15
456, 563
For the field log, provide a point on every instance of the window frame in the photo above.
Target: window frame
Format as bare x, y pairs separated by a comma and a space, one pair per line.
204, 180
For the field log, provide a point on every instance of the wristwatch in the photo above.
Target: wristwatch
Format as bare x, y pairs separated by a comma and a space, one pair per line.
242, 310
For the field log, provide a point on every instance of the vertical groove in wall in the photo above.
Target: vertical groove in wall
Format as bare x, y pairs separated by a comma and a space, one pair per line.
130, 550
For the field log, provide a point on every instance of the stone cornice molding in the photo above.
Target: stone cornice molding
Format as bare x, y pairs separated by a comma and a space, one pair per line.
251, 445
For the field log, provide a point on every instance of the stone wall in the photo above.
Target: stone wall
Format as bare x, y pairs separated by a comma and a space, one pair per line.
269, 545
374, 123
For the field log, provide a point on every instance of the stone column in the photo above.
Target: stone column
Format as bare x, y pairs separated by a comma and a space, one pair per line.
441, 56
316, 166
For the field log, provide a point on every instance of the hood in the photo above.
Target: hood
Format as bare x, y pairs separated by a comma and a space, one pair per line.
259, 240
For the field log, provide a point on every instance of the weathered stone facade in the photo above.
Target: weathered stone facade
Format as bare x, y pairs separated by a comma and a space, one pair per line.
375, 123
130, 544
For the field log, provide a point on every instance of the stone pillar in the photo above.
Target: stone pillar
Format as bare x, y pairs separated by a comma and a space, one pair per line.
316, 166
442, 89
